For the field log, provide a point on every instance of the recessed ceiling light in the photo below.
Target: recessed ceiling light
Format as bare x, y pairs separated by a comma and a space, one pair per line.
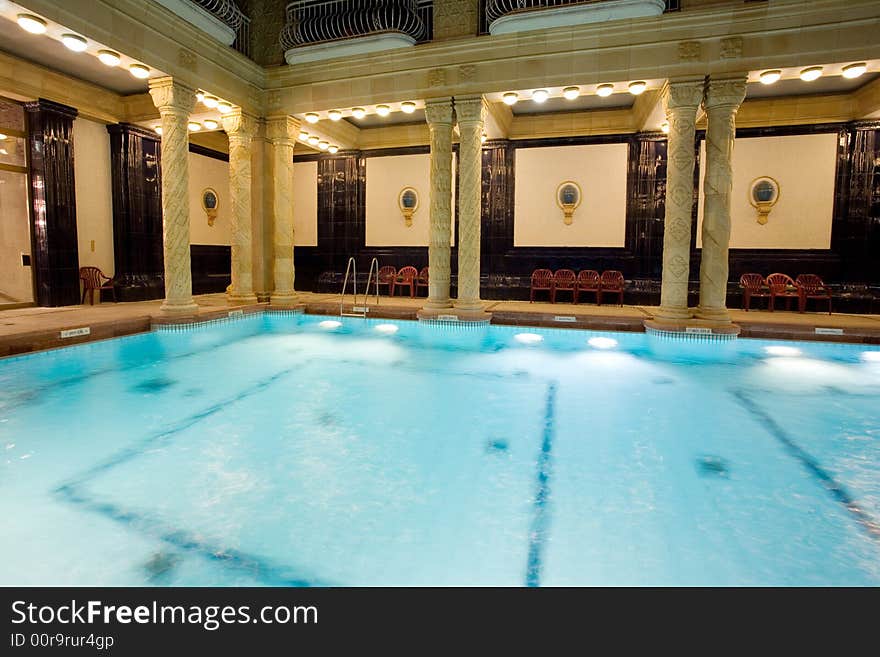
304, 136
483, 138
769, 77
383, 110
333, 148
2, 137
812, 73
664, 127
223, 107
638, 87
605, 90
323, 145
157, 129
854, 70
211, 124
311, 117
194, 126
200, 96
31, 23
570, 93
510, 98
408, 107
139, 71
334, 115
108, 57
540, 95
74, 42
358, 112
210, 101
3, 151
313, 140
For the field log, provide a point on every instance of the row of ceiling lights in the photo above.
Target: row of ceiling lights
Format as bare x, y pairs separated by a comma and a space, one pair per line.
211, 102
76, 43
407, 107
814, 73
570, 93
314, 140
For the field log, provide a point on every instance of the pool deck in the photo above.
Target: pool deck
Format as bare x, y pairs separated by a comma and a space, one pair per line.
24, 330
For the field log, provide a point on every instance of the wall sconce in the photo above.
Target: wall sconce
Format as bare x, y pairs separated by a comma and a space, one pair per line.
763, 195
408, 201
568, 197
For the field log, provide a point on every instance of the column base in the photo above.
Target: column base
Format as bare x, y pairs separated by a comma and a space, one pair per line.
437, 304
672, 314
284, 299
716, 315
469, 305
240, 299
187, 308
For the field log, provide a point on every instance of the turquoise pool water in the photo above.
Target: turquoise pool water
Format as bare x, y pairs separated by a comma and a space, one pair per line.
286, 450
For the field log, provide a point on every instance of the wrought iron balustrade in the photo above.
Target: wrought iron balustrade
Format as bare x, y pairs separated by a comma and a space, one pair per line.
494, 9
319, 21
229, 13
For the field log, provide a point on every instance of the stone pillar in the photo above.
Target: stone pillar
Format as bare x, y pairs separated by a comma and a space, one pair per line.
439, 115
680, 100
282, 132
240, 130
470, 114
175, 102
722, 100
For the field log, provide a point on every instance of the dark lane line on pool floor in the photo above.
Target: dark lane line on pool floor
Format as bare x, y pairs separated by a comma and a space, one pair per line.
541, 520
837, 490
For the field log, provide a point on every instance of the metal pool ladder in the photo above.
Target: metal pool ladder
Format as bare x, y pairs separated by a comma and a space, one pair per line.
358, 311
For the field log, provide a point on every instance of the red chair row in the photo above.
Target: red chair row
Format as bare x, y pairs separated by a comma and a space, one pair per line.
405, 277
587, 280
804, 288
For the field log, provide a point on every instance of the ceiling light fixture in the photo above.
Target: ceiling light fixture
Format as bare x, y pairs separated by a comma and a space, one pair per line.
323, 145
313, 140
211, 124
408, 107
358, 112
109, 58
74, 42
304, 136
570, 93
510, 98
854, 70
194, 126
811, 73
223, 107
157, 129
664, 128
2, 137
139, 71
383, 110
769, 77
31, 23
311, 117
334, 115
483, 138
333, 148
637, 87
605, 90
540, 95
210, 101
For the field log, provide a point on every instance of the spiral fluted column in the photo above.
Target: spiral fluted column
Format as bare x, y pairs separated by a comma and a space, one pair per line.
240, 129
439, 116
680, 100
470, 115
282, 132
722, 100
175, 102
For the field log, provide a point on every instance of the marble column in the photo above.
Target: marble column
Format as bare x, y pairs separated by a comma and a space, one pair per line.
240, 129
282, 132
439, 115
680, 100
175, 102
470, 114
722, 100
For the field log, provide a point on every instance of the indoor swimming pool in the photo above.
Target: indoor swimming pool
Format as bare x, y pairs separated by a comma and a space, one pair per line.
319, 451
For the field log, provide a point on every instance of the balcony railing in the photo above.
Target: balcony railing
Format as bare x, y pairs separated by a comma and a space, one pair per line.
492, 10
229, 13
312, 22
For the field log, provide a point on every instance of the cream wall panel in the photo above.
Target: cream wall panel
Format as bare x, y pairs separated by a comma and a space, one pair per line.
305, 204
804, 166
94, 195
208, 172
386, 177
15, 239
599, 169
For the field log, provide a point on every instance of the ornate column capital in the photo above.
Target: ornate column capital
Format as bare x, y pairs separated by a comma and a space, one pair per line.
470, 109
686, 94
439, 111
725, 93
282, 129
172, 97
238, 124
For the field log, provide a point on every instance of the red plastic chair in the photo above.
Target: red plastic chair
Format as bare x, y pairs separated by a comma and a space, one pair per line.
611, 281
782, 286
406, 276
386, 277
422, 281
810, 286
93, 279
564, 280
587, 281
753, 286
542, 279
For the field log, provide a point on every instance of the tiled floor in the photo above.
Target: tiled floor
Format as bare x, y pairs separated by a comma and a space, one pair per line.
30, 329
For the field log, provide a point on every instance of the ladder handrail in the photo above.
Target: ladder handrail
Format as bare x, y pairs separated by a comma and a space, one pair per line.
373, 263
350, 267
